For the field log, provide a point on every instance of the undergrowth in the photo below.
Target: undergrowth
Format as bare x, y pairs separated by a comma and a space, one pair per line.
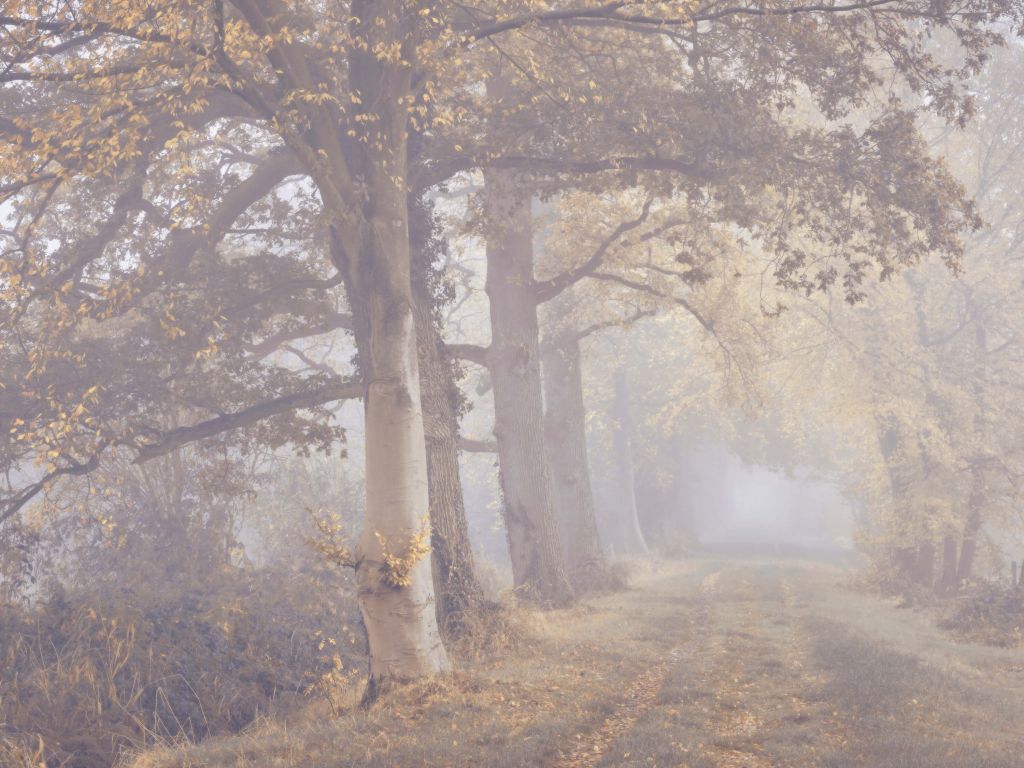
989, 613
87, 675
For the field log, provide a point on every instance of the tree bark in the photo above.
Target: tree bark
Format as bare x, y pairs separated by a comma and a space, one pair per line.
949, 564
455, 583
538, 568
566, 432
890, 441
969, 547
924, 568
622, 446
395, 590
400, 620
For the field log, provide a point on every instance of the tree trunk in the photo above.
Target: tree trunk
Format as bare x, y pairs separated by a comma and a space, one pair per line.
538, 568
904, 559
393, 575
949, 564
622, 444
566, 432
972, 527
455, 583
968, 547
890, 441
667, 509
924, 568
398, 609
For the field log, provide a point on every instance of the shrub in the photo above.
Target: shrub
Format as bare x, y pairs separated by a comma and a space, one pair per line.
86, 675
990, 613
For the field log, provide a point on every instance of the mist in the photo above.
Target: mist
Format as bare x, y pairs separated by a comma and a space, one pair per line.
551, 383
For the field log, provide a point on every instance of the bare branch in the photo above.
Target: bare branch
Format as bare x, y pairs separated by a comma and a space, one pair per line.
335, 321
624, 322
474, 353
477, 446
169, 441
10, 508
708, 325
548, 289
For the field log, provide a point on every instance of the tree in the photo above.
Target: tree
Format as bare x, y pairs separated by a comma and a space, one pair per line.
169, 126
459, 594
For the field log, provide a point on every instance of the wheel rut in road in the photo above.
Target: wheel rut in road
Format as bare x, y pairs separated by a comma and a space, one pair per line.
592, 747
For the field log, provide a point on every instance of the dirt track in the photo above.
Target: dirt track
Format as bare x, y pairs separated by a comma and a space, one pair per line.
785, 668
709, 663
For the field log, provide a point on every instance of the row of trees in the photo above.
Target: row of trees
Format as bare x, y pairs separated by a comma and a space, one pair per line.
940, 359
195, 191
907, 399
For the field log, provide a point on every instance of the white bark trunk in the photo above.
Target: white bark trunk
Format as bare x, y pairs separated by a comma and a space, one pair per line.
396, 600
632, 537
399, 617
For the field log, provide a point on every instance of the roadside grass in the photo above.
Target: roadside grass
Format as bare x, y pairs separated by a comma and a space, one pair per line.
564, 676
899, 712
704, 665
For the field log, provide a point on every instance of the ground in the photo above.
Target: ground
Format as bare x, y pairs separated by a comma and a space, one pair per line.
714, 663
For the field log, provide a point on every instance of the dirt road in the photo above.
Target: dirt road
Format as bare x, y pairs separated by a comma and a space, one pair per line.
784, 666
713, 663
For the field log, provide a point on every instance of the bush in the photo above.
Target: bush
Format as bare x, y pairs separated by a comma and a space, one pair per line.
990, 613
84, 676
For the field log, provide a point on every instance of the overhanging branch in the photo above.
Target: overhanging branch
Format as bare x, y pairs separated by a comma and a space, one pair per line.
548, 289
477, 446
340, 390
474, 353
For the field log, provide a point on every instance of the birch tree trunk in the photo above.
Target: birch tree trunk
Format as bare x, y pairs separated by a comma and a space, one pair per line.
395, 589
397, 607
514, 360
622, 446
566, 433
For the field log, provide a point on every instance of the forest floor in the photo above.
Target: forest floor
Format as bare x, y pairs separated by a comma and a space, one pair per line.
713, 663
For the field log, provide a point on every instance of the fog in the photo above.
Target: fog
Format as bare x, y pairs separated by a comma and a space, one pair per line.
550, 383
761, 508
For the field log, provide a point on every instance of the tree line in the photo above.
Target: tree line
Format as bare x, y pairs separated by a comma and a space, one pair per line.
191, 189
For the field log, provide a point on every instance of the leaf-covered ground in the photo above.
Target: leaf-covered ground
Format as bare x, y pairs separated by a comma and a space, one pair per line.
718, 663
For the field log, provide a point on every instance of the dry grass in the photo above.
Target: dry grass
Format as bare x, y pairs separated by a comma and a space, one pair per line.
989, 613
560, 678
85, 676
598, 577
490, 630
23, 752
736, 664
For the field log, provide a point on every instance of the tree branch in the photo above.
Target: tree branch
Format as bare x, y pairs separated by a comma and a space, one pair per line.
474, 353
610, 12
477, 446
708, 325
621, 323
553, 165
169, 441
335, 321
548, 289
566, 14
11, 508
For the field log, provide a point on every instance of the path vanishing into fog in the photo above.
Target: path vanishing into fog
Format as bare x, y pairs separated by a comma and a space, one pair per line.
774, 663
711, 663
